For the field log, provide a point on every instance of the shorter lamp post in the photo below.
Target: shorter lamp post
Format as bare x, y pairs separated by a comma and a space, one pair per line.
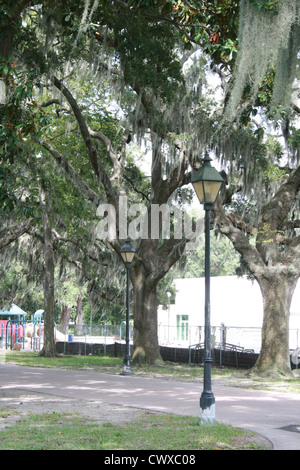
127, 253
207, 183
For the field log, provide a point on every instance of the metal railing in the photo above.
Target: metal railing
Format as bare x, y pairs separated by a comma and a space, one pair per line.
30, 335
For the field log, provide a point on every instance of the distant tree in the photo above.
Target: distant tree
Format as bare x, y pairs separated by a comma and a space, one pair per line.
224, 259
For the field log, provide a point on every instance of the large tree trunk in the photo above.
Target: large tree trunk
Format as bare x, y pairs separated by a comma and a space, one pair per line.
277, 291
65, 319
145, 347
79, 317
49, 349
65, 314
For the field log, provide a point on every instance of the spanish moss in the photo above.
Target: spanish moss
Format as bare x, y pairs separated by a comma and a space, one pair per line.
267, 40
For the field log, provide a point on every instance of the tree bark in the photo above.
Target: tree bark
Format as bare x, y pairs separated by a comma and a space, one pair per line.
277, 291
49, 349
150, 265
79, 316
145, 344
65, 319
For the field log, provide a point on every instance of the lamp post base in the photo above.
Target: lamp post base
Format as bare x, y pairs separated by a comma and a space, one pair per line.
126, 371
208, 415
126, 366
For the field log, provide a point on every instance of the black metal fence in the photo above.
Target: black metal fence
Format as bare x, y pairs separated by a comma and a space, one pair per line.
192, 355
109, 339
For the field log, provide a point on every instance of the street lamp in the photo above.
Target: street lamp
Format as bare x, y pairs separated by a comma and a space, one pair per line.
207, 183
127, 253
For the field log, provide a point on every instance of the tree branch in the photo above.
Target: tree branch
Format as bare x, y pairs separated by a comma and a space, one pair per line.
280, 205
94, 158
78, 245
274, 216
11, 234
250, 254
118, 161
172, 250
76, 179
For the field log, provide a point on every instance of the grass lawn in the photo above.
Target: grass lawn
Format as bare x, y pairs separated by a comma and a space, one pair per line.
32, 359
59, 431
106, 364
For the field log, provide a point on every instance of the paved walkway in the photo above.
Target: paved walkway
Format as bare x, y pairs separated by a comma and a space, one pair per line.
267, 413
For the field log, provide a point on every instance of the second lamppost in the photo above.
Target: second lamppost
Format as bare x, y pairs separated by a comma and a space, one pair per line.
127, 253
207, 183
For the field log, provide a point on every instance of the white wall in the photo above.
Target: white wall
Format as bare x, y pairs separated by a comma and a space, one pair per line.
235, 301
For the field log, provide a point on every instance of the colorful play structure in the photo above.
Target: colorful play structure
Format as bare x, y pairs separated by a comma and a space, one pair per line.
18, 333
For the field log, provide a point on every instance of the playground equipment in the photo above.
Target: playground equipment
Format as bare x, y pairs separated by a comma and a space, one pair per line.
15, 330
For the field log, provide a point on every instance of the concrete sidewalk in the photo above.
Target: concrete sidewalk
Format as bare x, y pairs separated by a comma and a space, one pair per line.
274, 415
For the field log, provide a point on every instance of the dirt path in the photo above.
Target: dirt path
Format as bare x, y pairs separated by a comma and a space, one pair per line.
17, 404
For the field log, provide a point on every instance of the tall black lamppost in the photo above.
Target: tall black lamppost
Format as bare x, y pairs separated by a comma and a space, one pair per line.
207, 183
127, 253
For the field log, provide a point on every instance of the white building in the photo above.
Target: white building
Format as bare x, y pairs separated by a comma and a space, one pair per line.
235, 302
